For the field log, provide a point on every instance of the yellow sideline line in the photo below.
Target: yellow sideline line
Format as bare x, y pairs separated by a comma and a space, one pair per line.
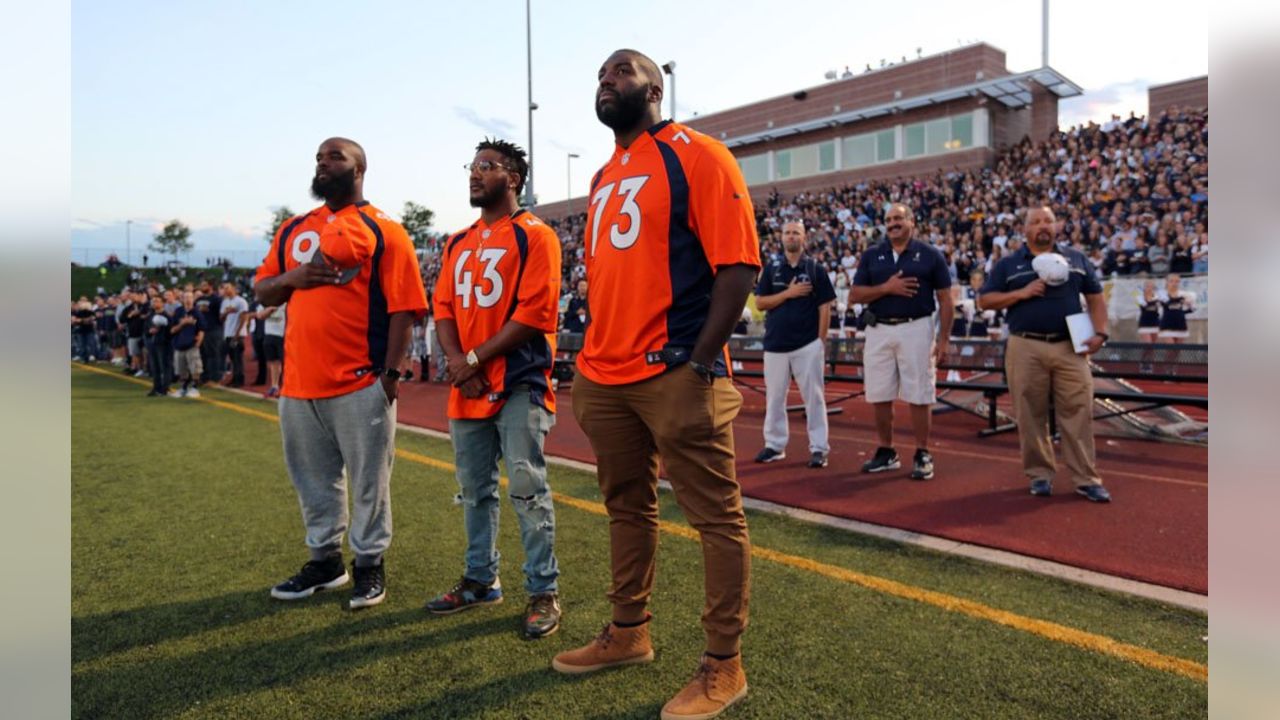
1043, 628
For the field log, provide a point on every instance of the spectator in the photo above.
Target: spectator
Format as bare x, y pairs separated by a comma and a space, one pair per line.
575, 314
235, 315
84, 331
1175, 305
187, 330
256, 315
273, 324
903, 281
1041, 362
209, 304
1159, 256
796, 296
1181, 261
159, 348
135, 319
1200, 254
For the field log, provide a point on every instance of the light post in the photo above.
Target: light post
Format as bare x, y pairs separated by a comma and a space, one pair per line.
670, 69
568, 178
528, 40
128, 253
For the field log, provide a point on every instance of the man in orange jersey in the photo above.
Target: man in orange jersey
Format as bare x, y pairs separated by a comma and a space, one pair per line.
671, 254
496, 305
350, 276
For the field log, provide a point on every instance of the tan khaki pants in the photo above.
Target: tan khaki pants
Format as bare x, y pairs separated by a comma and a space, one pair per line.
1035, 369
679, 417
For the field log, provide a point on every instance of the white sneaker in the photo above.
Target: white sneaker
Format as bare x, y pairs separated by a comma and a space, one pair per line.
175, 393
139, 374
193, 393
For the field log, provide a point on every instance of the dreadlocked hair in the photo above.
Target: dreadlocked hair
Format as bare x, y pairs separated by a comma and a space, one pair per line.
513, 154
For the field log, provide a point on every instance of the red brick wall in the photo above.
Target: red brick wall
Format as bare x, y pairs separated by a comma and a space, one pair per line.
1193, 92
1044, 112
917, 77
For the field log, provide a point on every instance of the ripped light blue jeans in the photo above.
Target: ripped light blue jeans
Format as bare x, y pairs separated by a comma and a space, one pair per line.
515, 434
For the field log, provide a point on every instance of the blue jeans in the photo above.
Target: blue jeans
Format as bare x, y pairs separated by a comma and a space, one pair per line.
517, 434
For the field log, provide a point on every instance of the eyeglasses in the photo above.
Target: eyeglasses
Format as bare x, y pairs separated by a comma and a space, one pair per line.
484, 166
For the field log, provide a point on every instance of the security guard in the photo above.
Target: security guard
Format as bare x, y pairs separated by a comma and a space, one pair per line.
902, 281
1040, 358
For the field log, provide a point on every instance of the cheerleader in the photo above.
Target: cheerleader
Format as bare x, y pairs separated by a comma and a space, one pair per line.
1176, 305
1148, 312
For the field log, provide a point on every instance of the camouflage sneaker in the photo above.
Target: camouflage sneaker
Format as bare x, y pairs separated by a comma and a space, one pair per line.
466, 594
542, 616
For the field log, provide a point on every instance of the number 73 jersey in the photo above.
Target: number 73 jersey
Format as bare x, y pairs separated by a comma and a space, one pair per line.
664, 214
491, 274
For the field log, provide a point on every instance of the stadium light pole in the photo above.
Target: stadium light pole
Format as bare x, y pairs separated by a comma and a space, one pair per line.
128, 252
568, 178
1044, 34
670, 69
528, 43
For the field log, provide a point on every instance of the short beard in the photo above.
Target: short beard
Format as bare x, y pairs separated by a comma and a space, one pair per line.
337, 187
626, 112
489, 198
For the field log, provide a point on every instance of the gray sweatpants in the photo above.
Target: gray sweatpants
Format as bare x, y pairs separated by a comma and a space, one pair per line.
321, 437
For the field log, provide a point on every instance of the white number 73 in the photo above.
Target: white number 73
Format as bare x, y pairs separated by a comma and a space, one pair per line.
627, 188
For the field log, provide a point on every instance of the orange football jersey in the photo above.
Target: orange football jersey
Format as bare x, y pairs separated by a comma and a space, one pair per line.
664, 214
337, 335
490, 274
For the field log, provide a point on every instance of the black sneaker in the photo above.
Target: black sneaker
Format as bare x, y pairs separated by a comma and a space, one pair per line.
885, 459
769, 455
466, 594
542, 616
818, 460
315, 576
371, 585
923, 465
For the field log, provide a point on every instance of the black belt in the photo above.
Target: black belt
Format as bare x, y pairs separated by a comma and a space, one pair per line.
898, 320
1042, 337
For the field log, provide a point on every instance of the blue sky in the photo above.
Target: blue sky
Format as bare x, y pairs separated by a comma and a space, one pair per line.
210, 112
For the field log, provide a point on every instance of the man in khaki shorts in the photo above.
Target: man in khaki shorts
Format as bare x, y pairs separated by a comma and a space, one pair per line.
188, 332
902, 281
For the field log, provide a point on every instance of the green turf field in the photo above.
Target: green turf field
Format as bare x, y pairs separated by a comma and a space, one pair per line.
182, 518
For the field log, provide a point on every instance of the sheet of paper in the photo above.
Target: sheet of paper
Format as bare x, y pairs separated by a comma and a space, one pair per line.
1081, 328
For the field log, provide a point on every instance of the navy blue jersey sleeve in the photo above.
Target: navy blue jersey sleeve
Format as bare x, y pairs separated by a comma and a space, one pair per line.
765, 285
941, 275
997, 280
1091, 286
822, 289
860, 276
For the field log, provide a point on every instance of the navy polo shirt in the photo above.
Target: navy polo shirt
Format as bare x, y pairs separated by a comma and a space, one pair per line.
794, 323
1048, 313
185, 339
918, 260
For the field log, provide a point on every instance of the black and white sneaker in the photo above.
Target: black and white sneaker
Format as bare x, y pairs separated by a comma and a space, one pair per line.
818, 460
922, 465
885, 459
315, 576
769, 455
371, 586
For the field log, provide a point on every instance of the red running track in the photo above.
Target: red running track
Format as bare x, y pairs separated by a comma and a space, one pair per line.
1155, 530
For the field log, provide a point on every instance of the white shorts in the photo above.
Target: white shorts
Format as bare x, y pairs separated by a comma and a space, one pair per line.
897, 362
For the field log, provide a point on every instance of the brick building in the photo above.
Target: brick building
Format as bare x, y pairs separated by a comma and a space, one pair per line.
1192, 92
954, 109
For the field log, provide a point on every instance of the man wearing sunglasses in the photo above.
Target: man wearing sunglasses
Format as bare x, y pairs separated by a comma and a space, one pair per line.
496, 307
350, 276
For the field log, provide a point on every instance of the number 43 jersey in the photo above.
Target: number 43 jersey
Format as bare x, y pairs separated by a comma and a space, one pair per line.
490, 274
664, 214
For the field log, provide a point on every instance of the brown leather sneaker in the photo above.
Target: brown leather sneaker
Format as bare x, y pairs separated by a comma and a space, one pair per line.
715, 686
613, 646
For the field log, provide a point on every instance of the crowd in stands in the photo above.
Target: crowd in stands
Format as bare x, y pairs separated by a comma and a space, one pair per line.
1132, 195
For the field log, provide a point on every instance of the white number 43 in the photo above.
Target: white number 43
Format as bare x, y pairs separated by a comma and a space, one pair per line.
464, 285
